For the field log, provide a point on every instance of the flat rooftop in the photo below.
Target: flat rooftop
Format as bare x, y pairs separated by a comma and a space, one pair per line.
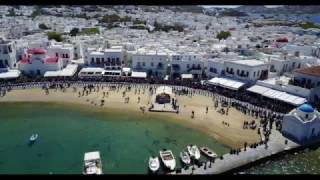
249, 62
312, 71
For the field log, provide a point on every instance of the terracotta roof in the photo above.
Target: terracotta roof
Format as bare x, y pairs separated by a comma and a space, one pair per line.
312, 71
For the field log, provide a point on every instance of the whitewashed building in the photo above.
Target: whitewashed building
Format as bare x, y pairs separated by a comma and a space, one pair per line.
302, 124
153, 62
65, 52
36, 62
110, 59
246, 70
309, 78
8, 60
186, 64
283, 64
7, 54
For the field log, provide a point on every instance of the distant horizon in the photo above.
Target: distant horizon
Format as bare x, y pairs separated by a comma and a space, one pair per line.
235, 6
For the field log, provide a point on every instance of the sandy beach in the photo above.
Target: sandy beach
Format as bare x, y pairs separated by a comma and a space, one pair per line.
210, 123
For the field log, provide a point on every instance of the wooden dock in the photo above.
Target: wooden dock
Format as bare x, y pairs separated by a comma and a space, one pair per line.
230, 162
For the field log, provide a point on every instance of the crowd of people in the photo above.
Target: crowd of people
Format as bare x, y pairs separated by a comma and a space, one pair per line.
242, 100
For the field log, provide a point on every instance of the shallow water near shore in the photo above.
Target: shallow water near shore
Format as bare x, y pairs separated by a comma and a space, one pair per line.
66, 131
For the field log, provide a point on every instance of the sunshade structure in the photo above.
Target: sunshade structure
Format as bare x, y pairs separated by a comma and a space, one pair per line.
278, 95
227, 83
11, 74
68, 71
164, 89
138, 74
186, 76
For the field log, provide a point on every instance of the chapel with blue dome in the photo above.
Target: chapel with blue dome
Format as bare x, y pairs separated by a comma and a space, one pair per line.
306, 108
302, 124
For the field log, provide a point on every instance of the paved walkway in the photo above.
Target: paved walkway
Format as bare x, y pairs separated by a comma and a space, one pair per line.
231, 161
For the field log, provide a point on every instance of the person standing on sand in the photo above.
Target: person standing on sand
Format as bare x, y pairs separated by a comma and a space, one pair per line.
207, 110
245, 146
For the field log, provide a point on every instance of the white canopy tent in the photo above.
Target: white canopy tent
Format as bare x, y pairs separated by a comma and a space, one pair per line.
139, 74
186, 76
227, 83
164, 89
68, 71
279, 95
10, 74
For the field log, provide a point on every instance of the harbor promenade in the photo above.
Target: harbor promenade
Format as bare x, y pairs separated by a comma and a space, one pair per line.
229, 162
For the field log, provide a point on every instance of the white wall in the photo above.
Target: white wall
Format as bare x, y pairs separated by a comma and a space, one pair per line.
148, 63
254, 71
8, 55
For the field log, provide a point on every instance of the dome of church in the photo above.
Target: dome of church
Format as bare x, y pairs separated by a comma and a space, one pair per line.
307, 108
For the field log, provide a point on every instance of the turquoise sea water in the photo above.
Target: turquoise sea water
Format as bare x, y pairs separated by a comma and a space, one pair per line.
66, 132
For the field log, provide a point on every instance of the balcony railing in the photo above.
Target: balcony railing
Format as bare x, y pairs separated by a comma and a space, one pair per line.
194, 69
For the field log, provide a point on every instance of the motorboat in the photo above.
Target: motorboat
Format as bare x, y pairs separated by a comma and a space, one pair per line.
168, 159
185, 158
208, 152
92, 163
194, 151
154, 164
33, 138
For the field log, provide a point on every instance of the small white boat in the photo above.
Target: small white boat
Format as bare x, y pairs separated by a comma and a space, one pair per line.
33, 137
92, 163
194, 151
154, 164
168, 159
185, 158
208, 152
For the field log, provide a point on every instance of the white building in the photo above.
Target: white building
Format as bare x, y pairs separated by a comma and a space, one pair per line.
284, 64
111, 59
8, 60
36, 62
302, 124
65, 52
309, 78
246, 70
7, 55
187, 64
153, 62
216, 67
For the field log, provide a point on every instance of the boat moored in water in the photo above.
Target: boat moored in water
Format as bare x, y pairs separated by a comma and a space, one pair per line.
208, 152
154, 164
92, 163
194, 151
33, 138
168, 159
185, 158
